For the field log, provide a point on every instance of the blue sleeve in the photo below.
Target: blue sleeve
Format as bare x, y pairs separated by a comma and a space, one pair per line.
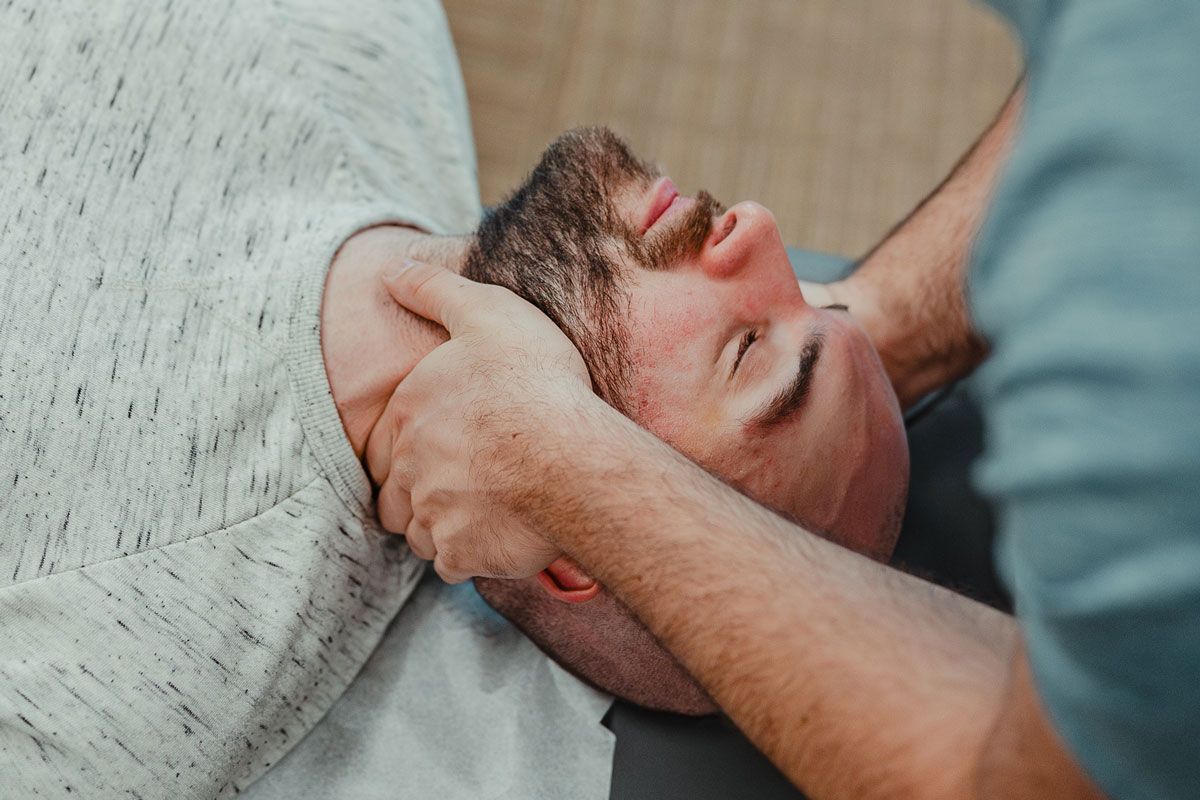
811, 265
1087, 282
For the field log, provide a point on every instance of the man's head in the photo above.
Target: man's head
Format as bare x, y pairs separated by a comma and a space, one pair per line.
691, 323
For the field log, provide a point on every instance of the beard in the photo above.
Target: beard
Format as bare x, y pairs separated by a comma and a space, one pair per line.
560, 242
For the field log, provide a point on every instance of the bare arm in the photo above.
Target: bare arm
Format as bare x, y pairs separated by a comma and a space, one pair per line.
859, 681
910, 291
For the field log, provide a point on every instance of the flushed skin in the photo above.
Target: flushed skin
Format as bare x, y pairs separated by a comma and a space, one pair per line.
703, 288
857, 680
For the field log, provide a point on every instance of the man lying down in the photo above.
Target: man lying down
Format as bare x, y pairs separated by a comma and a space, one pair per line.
692, 323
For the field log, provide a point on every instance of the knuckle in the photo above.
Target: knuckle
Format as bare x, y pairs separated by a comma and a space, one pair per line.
452, 560
419, 497
500, 564
420, 549
393, 516
444, 572
421, 516
424, 503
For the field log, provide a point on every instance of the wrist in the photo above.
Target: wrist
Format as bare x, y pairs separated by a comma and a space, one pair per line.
856, 294
915, 314
863, 293
539, 448
577, 473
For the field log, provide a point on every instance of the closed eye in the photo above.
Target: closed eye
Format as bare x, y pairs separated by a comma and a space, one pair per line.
749, 338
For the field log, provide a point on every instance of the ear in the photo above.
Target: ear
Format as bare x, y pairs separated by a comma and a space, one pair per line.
565, 581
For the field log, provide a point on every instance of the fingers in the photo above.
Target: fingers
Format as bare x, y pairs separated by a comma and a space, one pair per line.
395, 507
509, 551
452, 567
434, 293
395, 514
420, 541
449, 574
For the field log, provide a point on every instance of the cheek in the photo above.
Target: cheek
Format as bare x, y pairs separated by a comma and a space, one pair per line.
665, 331
668, 395
681, 419
658, 408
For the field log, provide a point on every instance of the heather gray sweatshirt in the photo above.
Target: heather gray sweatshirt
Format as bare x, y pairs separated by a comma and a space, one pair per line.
190, 570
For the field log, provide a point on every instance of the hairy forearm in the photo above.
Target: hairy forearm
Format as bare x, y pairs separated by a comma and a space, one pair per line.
910, 291
857, 680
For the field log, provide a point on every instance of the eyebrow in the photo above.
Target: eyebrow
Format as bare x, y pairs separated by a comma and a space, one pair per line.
792, 396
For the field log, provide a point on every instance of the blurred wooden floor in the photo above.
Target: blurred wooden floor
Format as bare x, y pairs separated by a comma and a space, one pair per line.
839, 115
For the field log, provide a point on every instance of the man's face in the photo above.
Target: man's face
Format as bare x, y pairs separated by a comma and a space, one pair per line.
717, 353
732, 367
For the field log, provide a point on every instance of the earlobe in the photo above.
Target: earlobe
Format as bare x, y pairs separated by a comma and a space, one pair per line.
565, 581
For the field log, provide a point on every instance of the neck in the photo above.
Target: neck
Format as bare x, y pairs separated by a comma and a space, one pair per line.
368, 341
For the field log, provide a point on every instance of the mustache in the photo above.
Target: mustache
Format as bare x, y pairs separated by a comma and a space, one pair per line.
685, 236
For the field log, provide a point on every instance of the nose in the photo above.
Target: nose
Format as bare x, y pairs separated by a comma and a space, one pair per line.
743, 242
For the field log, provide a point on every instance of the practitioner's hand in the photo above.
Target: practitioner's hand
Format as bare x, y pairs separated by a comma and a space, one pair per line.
466, 417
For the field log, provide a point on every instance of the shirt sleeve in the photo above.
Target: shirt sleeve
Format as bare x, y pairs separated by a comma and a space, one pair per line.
1086, 283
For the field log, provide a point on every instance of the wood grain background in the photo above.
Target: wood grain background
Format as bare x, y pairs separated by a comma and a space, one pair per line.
839, 115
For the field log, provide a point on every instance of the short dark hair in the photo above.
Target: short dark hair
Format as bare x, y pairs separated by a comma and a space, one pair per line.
551, 242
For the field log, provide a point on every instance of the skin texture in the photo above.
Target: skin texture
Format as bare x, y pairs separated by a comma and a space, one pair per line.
709, 326
685, 294
599, 640
857, 680
839, 461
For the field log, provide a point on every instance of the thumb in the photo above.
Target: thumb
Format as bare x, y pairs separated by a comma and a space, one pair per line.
435, 293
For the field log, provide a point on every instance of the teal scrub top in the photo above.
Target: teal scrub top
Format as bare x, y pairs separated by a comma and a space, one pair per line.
1086, 281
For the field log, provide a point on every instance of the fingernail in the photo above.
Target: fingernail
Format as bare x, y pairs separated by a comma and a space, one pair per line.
400, 267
